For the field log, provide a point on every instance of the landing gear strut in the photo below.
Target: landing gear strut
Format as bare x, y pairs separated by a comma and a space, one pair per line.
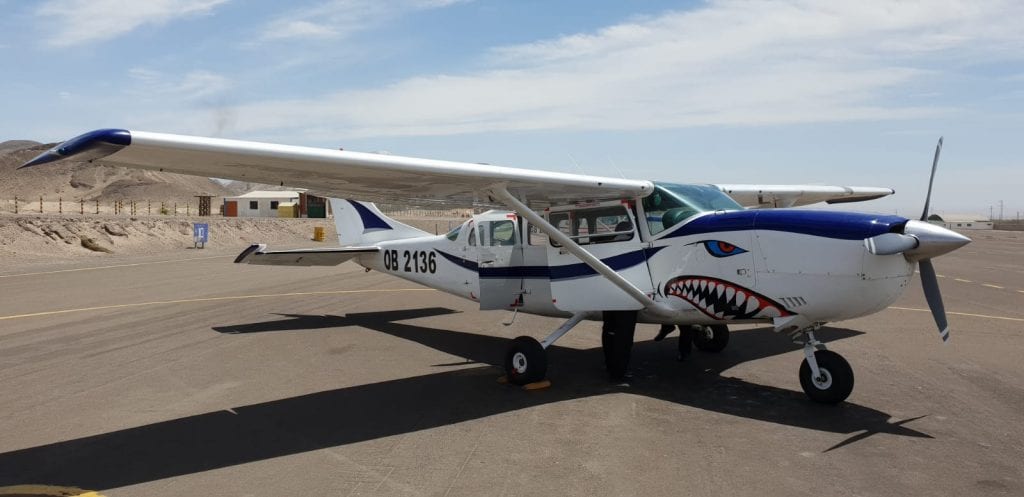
526, 360
824, 375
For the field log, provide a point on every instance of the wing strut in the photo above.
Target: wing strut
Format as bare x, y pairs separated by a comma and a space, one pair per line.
502, 194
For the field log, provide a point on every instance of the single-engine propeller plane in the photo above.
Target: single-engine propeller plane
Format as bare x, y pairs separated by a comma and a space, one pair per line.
581, 247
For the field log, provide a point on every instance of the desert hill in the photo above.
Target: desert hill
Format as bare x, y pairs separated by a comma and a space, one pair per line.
81, 180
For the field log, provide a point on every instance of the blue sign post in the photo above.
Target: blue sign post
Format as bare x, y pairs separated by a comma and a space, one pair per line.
200, 234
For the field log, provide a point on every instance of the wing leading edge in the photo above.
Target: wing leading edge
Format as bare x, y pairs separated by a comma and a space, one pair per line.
336, 172
770, 196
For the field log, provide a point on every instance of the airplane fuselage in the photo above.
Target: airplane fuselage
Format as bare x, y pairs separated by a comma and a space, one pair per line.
718, 267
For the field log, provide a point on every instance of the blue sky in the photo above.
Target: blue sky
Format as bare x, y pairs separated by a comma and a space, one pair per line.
848, 93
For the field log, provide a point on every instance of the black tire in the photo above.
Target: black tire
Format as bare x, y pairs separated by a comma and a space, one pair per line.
526, 361
711, 338
838, 378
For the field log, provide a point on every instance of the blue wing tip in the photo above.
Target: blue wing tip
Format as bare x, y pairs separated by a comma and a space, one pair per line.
92, 145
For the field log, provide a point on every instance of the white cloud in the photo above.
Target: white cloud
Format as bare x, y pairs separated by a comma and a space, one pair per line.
85, 21
343, 18
194, 85
726, 63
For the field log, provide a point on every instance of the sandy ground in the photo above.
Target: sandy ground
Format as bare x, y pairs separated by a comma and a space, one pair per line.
28, 240
194, 376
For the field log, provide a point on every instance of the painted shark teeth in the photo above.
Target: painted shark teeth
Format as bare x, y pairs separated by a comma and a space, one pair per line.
721, 299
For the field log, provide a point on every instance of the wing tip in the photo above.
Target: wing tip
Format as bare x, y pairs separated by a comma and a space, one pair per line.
92, 145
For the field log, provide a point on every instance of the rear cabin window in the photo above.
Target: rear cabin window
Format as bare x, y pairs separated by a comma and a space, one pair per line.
594, 225
472, 237
454, 234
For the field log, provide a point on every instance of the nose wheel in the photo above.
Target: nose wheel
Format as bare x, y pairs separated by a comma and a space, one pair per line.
824, 375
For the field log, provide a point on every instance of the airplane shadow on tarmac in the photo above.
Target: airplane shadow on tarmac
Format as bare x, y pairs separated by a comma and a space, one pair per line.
326, 419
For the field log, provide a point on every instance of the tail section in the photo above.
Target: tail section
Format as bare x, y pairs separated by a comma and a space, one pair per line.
361, 223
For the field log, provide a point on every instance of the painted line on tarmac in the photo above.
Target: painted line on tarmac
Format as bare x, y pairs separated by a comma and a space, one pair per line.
994, 286
211, 299
961, 280
114, 266
986, 316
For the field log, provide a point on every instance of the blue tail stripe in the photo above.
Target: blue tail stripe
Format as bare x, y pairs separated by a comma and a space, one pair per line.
370, 220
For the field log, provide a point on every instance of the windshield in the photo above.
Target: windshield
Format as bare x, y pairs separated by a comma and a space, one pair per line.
671, 204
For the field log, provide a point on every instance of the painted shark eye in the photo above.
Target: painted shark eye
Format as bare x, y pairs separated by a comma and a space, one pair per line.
719, 248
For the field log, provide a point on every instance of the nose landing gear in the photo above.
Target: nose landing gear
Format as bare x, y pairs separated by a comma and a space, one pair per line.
824, 375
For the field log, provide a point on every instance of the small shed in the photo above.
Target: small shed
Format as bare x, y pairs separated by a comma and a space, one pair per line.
259, 203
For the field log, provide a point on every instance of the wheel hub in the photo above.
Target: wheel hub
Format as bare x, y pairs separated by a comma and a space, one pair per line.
824, 381
519, 363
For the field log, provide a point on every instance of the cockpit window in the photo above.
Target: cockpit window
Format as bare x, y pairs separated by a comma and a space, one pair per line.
671, 204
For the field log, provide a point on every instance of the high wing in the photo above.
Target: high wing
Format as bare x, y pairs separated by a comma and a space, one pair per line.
338, 173
768, 196
257, 253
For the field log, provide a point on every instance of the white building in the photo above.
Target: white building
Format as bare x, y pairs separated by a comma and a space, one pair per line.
962, 222
258, 203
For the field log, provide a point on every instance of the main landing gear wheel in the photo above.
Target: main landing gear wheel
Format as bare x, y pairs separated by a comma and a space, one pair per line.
711, 338
835, 382
525, 361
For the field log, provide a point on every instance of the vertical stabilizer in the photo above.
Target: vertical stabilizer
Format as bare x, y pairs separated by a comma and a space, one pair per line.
362, 223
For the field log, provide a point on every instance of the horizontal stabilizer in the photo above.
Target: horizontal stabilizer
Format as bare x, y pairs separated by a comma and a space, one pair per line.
257, 254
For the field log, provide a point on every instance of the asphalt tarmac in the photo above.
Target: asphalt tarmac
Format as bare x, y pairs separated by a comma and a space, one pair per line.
189, 375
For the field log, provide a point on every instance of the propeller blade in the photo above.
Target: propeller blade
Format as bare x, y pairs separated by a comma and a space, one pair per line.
935, 164
931, 292
890, 243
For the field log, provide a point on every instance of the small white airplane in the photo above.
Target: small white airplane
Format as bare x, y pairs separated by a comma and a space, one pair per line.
589, 248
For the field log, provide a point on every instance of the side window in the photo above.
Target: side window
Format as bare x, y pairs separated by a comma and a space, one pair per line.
503, 233
595, 225
536, 236
274, 204
254, 204
472, 237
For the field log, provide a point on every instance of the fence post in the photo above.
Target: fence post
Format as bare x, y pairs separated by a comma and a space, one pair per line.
149, 207
163, 210
40, 204
60, 205
175, 208
187, 209
81, 206
15, 204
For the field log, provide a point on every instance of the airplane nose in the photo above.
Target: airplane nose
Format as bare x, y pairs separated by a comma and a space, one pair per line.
933, 240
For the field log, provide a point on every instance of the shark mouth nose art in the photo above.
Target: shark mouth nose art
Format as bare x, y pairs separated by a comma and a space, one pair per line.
721, 299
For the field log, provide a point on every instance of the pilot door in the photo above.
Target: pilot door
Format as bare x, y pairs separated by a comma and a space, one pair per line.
608, 231
500, 256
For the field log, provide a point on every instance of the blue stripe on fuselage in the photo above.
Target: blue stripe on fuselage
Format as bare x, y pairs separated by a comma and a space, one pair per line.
827, 224
569, 271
